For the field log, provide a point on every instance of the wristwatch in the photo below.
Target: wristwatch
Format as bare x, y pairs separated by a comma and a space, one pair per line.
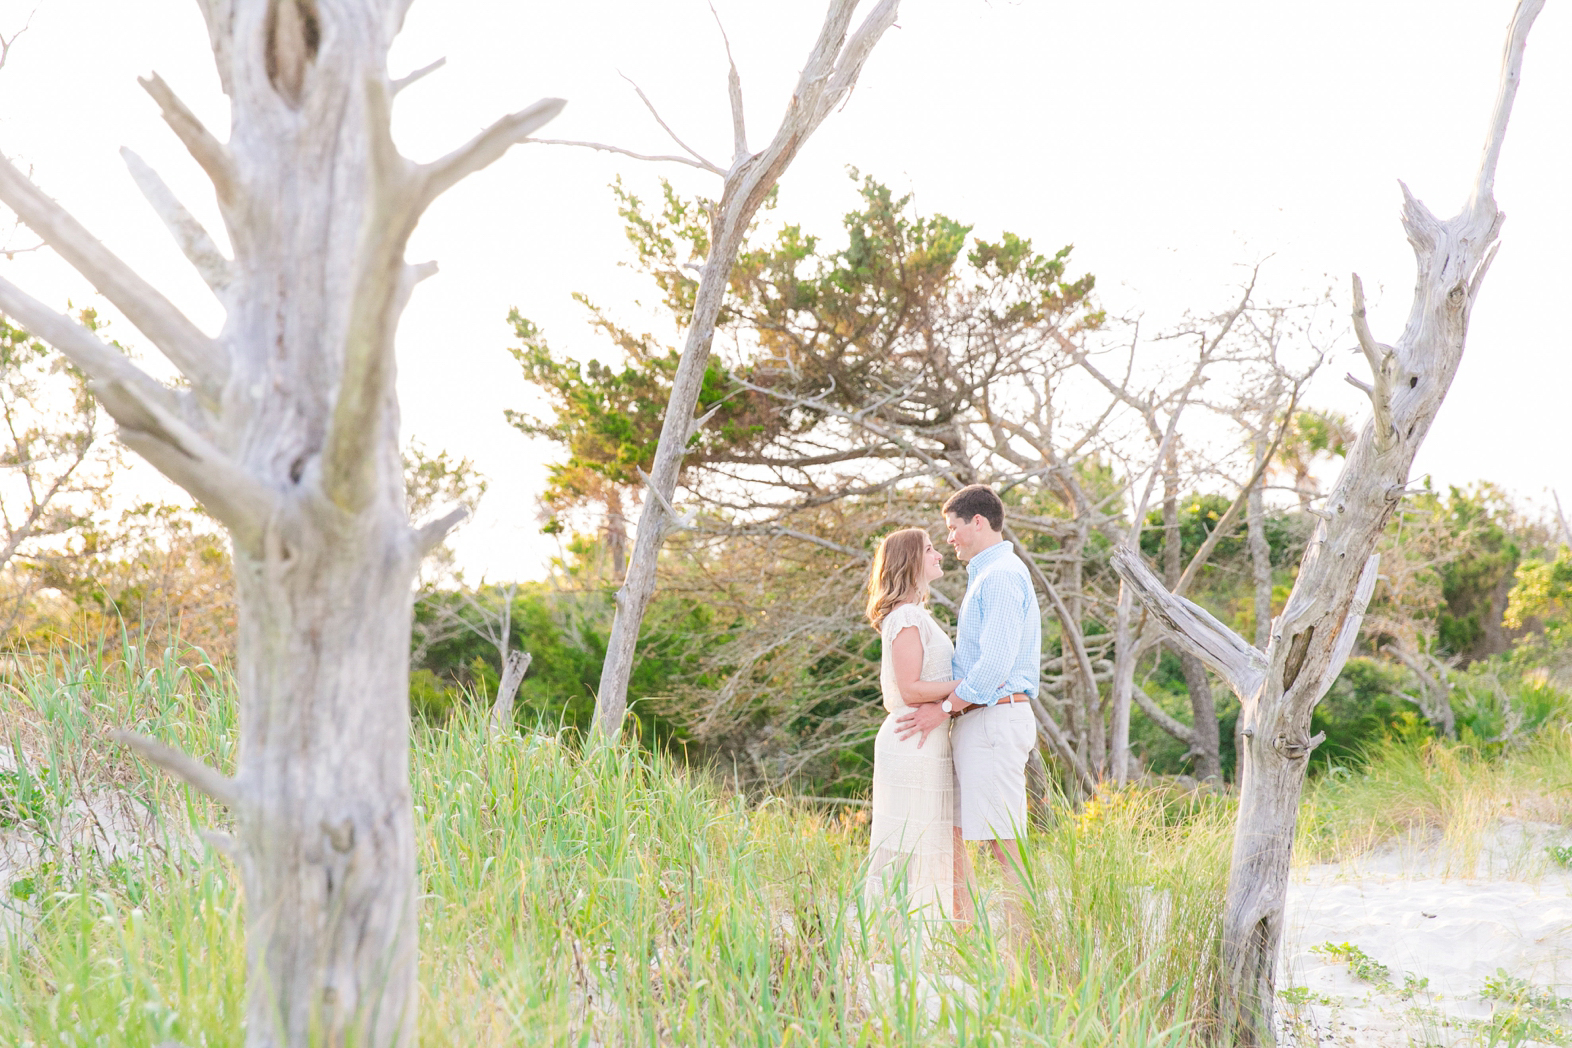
947, 706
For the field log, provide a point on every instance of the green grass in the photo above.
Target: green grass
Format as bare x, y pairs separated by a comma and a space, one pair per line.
571, 897
615, 897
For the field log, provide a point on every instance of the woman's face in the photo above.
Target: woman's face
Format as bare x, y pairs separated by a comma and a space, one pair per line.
932, 561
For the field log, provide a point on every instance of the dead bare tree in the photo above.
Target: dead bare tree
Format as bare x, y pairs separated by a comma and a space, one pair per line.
827, 79
1161, 415
1246, 338
288, 434
1561, 519
54, 465
1312, 637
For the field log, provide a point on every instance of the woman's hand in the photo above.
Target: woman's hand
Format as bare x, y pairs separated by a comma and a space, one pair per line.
920, 720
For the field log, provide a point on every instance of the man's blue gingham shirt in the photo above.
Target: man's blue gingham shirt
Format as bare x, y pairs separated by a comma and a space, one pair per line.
998, 637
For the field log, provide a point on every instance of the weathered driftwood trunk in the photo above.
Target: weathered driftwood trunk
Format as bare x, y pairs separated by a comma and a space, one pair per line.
514, 665
827, 78
288, 434
1311, 638
324, 830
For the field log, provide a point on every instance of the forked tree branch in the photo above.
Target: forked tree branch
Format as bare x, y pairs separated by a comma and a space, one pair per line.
826, 80
7, 41
401, 191
150, 421
182, 766
852, 57
199, 358
1383, 366
1192, 628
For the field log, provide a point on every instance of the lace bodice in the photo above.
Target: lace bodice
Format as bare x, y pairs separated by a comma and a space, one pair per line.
937, 651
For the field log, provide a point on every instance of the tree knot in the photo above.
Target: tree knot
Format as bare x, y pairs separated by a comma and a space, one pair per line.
342, 836
1297, 749
1298, 648
293, 34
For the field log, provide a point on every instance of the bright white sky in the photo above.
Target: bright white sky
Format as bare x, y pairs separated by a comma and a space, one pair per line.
1171, 142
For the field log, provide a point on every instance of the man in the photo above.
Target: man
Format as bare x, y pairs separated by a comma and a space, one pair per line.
998, 645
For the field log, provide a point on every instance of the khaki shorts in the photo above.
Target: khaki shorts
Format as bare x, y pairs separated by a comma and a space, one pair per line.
990, 747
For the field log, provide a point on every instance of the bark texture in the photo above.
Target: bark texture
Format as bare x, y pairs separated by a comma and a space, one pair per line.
514, 666
288, 434
826, 80
1312, 637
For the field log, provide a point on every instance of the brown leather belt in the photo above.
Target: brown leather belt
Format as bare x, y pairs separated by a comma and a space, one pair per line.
1019, 696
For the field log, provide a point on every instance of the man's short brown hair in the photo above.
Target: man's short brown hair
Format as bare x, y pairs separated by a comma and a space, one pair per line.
976, 500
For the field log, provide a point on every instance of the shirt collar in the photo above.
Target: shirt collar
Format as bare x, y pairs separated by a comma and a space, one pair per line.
987, 557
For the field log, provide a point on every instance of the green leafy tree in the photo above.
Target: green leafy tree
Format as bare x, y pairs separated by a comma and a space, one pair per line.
1542, 593
1311, 437
905, 325
839, 396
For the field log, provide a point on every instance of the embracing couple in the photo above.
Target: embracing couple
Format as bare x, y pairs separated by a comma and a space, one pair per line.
950, 759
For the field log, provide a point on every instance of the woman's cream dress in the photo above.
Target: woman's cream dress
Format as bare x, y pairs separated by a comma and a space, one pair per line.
913, 789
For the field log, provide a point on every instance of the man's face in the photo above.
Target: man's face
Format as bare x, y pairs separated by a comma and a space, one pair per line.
966, 536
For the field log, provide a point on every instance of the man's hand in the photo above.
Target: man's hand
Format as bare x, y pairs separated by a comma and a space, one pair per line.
920, 721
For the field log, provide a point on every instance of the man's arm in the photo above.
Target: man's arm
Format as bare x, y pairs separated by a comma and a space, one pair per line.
1002, 617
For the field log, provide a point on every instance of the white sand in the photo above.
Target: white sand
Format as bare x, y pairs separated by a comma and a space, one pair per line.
1399, 907
109, 824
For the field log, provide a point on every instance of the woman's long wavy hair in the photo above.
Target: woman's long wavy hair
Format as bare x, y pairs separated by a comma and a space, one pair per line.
896, 575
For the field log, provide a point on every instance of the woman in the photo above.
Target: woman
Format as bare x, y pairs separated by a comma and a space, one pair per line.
913, 788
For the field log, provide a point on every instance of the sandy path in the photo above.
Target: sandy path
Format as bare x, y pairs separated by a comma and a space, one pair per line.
1398, 907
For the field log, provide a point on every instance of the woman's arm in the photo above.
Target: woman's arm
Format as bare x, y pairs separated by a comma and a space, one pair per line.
906, 654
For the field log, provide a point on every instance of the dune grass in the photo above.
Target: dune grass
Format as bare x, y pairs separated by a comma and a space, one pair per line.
574, 897
611, 896
1437, 794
